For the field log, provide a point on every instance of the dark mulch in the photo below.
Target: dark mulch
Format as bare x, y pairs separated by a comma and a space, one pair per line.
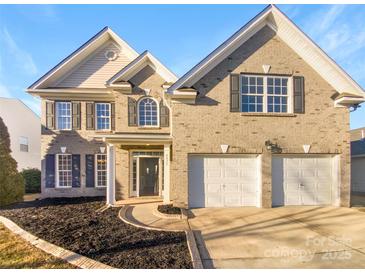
169, 209
74, 225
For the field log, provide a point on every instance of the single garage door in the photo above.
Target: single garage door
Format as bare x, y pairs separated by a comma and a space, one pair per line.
223, 181
358, 174
306, 180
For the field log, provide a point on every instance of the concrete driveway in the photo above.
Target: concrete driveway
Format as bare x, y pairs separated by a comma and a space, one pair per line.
286, 237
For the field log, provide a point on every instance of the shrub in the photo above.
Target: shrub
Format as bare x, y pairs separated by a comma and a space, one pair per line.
32, 178
11, 182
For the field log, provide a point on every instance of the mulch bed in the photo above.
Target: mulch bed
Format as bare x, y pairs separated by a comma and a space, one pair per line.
75, 225
169, 209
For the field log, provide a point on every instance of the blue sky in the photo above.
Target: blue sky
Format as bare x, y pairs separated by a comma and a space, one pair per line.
34, 38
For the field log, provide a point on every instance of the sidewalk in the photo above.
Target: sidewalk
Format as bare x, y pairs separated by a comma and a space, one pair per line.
142, 214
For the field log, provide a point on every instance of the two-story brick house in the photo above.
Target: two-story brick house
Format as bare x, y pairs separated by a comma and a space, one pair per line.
261, 121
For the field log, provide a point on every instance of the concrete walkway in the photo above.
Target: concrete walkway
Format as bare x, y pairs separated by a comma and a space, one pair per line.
286, 237
142, 214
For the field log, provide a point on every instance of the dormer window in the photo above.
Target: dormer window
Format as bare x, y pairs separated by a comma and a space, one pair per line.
148, 112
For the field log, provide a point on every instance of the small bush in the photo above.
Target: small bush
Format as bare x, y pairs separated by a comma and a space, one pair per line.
32, 177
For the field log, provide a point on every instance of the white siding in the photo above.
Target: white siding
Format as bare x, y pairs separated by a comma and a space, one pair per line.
22, 122
95, 70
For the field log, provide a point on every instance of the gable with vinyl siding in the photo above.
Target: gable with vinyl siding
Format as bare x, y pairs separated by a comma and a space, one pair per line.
95, 70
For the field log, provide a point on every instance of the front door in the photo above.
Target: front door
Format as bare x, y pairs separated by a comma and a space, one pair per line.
148, 176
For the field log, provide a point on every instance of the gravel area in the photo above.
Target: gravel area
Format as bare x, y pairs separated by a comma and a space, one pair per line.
75, 225
169, 209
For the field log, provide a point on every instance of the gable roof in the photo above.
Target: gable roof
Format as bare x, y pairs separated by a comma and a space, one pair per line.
311, 53
79, 54
143, 60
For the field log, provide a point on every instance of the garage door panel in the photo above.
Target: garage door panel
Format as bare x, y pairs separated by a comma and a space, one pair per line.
228, 181
308, 173
213, 173
358, 174
291, 173
232, 200
214, 200
213, 188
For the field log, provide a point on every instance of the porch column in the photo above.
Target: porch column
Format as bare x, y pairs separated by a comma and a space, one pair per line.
110, 184
166, 155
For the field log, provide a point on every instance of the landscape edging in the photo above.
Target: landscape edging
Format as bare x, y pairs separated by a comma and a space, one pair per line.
190, 239
56, 251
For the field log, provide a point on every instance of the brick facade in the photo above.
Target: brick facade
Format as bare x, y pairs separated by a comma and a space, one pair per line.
204, 126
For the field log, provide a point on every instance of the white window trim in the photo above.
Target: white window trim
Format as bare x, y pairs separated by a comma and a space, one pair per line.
96, 170
265, 94
158, 113
21, 139
56, 114
96, 116
57, 172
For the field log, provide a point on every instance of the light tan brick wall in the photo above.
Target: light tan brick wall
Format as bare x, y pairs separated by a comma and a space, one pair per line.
202, 127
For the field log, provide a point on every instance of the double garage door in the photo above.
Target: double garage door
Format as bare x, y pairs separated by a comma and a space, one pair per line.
232, 181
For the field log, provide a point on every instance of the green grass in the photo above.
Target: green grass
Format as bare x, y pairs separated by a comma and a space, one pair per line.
17, 253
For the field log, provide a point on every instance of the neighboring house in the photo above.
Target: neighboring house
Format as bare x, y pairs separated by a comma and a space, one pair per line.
261, 121
24, 128
358, 160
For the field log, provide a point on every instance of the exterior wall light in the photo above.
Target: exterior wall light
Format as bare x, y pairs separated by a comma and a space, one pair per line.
274, 148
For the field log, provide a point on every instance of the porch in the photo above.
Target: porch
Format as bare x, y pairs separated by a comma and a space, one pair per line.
138, 167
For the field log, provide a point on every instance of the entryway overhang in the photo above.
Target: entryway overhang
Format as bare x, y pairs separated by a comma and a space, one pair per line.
135, 139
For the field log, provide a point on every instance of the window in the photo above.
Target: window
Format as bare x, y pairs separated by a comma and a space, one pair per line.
252, 93
102, 116
63, 115
23, 142
64, 170
101, 170
277, 90
147, 112
264, 94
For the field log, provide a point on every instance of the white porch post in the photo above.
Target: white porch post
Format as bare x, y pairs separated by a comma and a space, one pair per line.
166, 155
110, 185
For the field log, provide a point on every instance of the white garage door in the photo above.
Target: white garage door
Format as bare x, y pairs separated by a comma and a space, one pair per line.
303, 180
229, 181
358, 174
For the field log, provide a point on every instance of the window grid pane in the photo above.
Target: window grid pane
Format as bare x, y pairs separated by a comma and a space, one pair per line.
64, 170
252, 94
277, 89
147, 111
63, 114
101, 170
102, 116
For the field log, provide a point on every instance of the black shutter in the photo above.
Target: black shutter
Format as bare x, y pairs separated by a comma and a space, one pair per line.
90, 170
50, 119
235, 93
90, 120
164, 115
298, 86
50, 170
112, 115
76, 170
76, 115
132, 112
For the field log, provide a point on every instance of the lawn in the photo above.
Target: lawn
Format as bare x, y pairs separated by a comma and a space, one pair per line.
75, 225
17, 253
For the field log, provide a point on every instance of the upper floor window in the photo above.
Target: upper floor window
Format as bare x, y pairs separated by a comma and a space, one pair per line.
264, 94
23, 142
102, 116
147, 112
63, 115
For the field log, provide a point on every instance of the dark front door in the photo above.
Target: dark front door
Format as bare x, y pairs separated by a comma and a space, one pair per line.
148, 176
